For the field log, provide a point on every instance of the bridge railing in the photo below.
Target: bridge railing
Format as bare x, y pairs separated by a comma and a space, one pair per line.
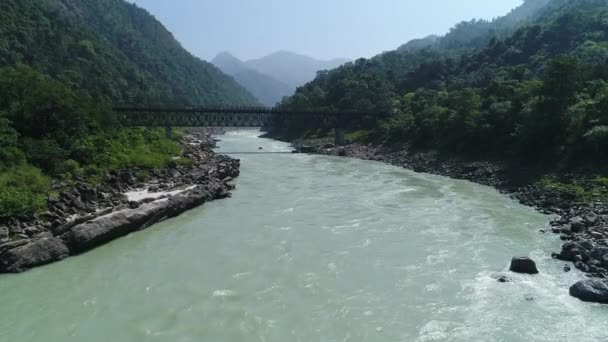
244, 110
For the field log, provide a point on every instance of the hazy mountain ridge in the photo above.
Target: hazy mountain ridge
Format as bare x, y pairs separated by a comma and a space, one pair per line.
292, 68
275, 76
477, 33
266, 89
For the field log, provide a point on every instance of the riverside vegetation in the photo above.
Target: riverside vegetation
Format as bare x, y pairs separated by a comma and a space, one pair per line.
529, 87
64, 157
62, 66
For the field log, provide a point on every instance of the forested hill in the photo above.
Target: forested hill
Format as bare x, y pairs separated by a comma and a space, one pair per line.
476, 33
111, 50
536, 89
63, 64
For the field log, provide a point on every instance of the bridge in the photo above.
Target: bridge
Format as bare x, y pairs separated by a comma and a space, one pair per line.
187, 116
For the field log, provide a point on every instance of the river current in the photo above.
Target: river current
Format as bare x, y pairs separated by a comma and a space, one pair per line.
313, 248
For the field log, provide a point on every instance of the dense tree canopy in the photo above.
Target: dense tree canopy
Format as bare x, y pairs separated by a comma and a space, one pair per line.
110, 50
63, 64
533, 87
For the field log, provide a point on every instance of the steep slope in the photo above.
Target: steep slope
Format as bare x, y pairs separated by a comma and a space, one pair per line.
63, 64
418, 44
536, 92
112, 50
229, 64
475, 33
266, 89
291, 68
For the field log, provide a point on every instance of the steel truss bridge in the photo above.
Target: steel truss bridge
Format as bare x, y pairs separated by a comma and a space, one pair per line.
169, 117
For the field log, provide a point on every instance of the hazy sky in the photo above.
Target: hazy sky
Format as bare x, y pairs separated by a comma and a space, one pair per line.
319, 28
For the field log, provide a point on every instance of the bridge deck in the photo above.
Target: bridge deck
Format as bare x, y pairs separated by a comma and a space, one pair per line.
234, 116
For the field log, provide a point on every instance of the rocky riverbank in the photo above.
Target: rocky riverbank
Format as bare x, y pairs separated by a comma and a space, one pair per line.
582, 225
82, 216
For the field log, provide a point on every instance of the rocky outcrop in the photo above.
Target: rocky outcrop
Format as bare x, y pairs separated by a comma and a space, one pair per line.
82, 216
523, 265
107, 228
594, 291
37, 253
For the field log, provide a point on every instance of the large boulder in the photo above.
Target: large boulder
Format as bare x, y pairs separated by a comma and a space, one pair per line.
594, 291
523, 265
571, 250
12, 244
598, 253
577, 224
101, 230
38, 253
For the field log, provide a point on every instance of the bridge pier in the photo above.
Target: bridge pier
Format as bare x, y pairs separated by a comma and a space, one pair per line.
169, 132
340, 141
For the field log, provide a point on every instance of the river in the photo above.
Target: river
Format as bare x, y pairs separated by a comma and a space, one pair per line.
313, 248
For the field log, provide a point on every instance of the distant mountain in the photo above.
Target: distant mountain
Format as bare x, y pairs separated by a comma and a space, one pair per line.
476, 34
275, 76
291, 68
266, 89
229, 64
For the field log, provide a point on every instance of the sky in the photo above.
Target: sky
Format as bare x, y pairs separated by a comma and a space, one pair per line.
322, 29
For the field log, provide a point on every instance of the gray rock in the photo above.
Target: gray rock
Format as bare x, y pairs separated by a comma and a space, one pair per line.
599, 253
577, 224
10, 245
604, 261
503, 279
594, 291
38, 253
15, 229
523, 265
31, 231
571, 252
581, 266
43, 235
106, 228
3, 233
591, 218
88, 194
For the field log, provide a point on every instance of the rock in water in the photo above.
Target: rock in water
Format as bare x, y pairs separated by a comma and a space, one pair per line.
593, 291
41, 252
503, 279
523, 265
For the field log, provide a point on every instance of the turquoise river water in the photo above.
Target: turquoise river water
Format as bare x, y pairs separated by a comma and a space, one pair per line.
313, 248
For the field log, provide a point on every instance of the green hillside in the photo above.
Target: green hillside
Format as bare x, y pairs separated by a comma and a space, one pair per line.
109, 49
536, 90
63, 64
